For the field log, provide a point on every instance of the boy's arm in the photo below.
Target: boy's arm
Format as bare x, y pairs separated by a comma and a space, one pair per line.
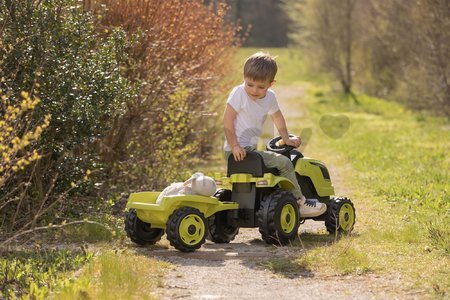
230, 134
280, 124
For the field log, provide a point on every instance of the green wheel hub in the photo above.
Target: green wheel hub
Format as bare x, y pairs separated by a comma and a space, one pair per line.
186, 229
288, 218
346, 217
192, 229
341, 216
278, 217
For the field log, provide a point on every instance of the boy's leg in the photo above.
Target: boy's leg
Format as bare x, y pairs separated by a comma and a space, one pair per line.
285, 166
308, 208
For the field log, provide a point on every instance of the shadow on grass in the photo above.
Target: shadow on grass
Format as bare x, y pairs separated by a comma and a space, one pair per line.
296, 265
288, 267
309, 240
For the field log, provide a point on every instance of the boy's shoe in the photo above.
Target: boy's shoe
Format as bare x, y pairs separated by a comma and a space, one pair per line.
311, 208
313, 200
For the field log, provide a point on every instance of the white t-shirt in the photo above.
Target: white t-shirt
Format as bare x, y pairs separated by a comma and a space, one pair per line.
250, 116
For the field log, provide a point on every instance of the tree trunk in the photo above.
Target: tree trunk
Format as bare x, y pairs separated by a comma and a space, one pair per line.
349, 4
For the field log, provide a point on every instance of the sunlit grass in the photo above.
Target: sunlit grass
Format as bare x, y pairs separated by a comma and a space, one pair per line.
394, 165
34, 272
118, 275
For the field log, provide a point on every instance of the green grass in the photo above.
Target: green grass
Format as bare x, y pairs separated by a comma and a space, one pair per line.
120, 274
34, 273
287, 267
395, 167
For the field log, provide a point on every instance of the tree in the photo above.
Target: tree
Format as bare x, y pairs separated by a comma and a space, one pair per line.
395, 49
419, 39
328, 36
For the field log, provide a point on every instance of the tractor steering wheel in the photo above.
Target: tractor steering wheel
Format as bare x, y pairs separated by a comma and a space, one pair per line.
278, 146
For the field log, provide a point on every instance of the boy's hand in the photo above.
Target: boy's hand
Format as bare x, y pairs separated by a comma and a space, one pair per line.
293, 141
238, 152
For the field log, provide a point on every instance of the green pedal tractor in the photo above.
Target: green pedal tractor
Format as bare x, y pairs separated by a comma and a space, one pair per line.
250, 195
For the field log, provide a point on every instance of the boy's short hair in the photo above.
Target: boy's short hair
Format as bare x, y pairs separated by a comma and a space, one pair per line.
260, 67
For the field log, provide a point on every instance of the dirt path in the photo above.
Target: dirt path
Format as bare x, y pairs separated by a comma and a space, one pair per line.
235, 270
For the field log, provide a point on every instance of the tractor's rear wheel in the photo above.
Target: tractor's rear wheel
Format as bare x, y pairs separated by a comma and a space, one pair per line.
140, 232
219, 229
186, 229
341, 216
278, 217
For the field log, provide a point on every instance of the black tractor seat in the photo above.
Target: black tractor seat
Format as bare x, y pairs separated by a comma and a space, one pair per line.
252, 164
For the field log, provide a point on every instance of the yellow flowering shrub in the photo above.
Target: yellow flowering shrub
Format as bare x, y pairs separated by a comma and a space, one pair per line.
17, 133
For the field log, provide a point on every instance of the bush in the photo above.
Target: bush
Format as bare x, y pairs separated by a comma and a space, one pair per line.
129, 86
184, 49
16, 136
51, 49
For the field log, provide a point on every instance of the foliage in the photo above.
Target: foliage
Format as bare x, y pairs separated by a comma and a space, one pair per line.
35, 273
120, 106
16, 135
183, 51
266, 23
51, 49
409, 59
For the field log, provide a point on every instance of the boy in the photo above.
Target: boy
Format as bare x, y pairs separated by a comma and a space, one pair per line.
247, 108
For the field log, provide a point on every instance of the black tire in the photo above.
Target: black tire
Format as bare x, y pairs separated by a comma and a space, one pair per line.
140, 232
186, 229
278, 217
341, 216
219, 231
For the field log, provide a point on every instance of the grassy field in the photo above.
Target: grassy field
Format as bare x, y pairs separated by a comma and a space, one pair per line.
394, 166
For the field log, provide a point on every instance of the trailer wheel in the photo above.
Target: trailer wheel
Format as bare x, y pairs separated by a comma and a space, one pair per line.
140, 232
186, 229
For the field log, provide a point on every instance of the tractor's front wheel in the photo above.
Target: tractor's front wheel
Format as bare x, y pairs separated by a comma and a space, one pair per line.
341, 216
186, 229
278, 217
140, 232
